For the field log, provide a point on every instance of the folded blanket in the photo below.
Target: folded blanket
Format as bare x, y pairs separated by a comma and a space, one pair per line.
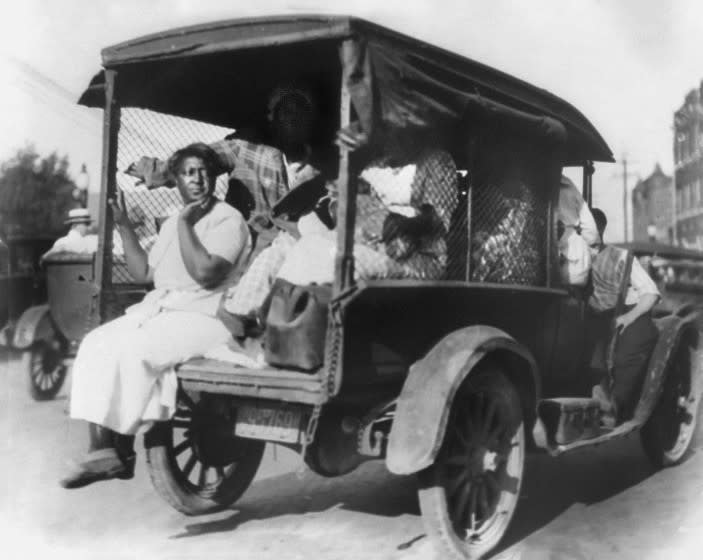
248, 354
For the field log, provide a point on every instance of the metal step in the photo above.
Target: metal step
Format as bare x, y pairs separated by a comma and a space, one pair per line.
606, 434
570, 419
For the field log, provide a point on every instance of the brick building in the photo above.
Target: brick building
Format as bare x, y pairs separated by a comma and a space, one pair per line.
688, 173
653, 208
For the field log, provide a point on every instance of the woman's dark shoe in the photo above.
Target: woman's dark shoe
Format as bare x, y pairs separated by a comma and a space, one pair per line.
103, 464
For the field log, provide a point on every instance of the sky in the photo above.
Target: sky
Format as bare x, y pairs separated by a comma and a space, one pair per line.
626, 64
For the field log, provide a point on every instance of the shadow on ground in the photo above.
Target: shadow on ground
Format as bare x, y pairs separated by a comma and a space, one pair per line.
551, 486
370, 489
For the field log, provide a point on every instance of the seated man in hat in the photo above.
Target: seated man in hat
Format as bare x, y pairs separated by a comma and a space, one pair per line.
77, 240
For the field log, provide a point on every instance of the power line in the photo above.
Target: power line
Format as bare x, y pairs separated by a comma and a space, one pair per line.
40, 77
52, 96
31, 76
52, 105
624, 194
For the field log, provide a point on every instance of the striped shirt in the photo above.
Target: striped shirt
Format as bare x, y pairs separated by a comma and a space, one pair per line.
608, 268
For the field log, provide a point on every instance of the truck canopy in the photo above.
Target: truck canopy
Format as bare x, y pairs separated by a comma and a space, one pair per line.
221, 73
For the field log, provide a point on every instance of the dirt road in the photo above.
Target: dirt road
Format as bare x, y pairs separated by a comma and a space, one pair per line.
600, 504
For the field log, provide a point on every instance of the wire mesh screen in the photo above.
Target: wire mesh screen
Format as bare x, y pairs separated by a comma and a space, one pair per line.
152, 134
509, 233
407, 219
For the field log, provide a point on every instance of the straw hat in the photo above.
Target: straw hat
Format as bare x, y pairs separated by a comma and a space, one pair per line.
78, 216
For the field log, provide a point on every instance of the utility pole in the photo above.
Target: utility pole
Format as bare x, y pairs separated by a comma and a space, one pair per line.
624, 194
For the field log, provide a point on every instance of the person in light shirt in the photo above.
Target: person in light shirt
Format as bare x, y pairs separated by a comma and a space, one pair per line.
77, 240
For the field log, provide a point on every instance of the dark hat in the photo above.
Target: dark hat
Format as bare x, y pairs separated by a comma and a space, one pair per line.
300, 200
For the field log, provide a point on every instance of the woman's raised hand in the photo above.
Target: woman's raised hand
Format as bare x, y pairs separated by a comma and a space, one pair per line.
193, 211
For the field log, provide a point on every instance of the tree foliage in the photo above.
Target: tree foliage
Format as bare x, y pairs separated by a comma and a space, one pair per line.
35, 194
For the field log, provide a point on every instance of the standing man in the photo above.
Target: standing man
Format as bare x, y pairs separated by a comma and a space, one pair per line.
620, 305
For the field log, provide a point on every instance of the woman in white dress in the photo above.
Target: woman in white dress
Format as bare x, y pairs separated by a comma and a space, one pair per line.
124, 372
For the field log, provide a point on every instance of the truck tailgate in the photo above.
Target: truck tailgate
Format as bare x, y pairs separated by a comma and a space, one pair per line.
213, 376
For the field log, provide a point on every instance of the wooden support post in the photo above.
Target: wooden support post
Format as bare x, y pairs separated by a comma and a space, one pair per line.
108, 189
587, 189
469, 233
346, 208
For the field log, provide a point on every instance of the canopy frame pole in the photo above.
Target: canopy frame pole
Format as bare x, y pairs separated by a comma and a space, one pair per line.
552, 268
555, 168
587, 187
469, 222
108, 182
346, 206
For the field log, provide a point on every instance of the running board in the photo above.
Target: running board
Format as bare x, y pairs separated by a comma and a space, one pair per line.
568, 423
623, 430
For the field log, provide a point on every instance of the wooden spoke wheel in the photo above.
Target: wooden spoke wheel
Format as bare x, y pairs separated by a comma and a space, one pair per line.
468, 496
195, 461
668, 433
44, 366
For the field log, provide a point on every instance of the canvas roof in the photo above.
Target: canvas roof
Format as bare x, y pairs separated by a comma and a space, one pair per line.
200, 72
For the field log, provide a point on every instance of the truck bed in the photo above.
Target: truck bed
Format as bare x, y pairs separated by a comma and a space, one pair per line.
213, 376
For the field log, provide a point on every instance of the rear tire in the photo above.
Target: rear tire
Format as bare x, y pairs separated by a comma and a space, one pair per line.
196, 463
469, 495
44, 367
669, 432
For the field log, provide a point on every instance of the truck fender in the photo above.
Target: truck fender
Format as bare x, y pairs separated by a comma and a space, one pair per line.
672, 329
34, 324
432, 382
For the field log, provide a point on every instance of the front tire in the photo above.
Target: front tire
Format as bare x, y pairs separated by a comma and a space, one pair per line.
44, 367
468, 496
196, 463
668, 433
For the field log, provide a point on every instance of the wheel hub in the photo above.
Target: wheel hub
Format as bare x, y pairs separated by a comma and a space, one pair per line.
213, 440
490, 460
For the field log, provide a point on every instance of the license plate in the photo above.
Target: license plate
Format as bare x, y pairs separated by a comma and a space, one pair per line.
273, 424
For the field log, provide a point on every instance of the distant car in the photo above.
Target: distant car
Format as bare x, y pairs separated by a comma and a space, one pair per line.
677, 271
22, 280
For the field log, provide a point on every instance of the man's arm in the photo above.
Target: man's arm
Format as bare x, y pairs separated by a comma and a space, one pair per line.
648, 295
153, 172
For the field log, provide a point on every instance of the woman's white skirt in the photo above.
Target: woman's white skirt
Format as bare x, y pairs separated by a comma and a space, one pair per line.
124, 372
